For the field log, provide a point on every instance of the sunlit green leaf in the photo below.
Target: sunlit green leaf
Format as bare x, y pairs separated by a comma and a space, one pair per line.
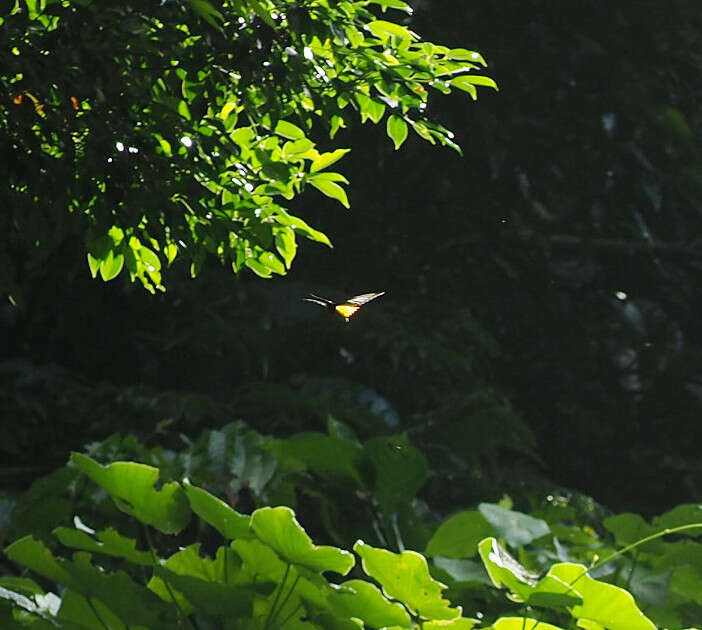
330, 189
504, 570
111, 265
217, 513
131, 486
278, 528
397, 130
108, 541
405, 577
288, 130
327, 159
603, 603
357, 598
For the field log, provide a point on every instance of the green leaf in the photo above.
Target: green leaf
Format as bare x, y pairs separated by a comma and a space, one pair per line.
459, 535
133, 604
217, 513
260, 560
467, 86
76, 609
170, 251
329, 188
94, 264
400, 470
131, 486
461, 570
111, 265
327, 159
460, 623
213, 586
685, 514
397, 130
370, 108
603, 603
258, 268
184, 110
288, 130
270, 260
328, 457
297, 147
363, 600
522, 623
629, 528
36, 556
384, 30
405, 577
285, 244
278, 528
461, 54
392, 4
108, 541
516, 528
504, 570
207, 12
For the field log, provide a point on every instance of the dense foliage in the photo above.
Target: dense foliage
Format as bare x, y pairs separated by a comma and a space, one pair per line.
268, 574
182, 128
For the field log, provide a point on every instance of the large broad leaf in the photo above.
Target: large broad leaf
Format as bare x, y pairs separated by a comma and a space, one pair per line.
406, 577
505, 571
629, 528
205, 595
35, 555
131, 486
603, 603
363, 600
278, 528
77, 609
522, 623
327, 456
460, 623
461, 570
217, 513
131, 602
108, 541
400, 470
459, 535
686, 514
262, 564
516, 528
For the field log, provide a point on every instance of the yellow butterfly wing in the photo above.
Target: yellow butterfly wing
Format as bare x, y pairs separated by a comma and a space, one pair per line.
347, 309
351, 306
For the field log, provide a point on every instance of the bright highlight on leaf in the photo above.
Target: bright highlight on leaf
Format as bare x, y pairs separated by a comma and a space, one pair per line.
278, 528
397, 130
406, 577
131, 486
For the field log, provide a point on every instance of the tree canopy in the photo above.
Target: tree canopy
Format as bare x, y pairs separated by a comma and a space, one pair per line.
188, 129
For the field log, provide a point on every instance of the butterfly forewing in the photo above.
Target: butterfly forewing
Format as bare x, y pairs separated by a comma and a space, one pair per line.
364, 298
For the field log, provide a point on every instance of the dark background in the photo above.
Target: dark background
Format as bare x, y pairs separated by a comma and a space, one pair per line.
541, 316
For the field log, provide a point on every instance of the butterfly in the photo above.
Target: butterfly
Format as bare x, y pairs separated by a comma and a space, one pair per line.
346, 308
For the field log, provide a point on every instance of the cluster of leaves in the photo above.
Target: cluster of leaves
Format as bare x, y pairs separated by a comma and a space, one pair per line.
183, 129
269, 574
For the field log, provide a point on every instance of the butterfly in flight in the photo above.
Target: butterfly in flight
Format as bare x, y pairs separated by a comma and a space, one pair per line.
346, 308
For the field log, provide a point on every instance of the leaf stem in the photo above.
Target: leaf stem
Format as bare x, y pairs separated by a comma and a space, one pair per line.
272, 611
638, 543
95, 612
182, 615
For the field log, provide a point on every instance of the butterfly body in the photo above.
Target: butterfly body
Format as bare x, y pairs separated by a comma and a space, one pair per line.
346, 308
